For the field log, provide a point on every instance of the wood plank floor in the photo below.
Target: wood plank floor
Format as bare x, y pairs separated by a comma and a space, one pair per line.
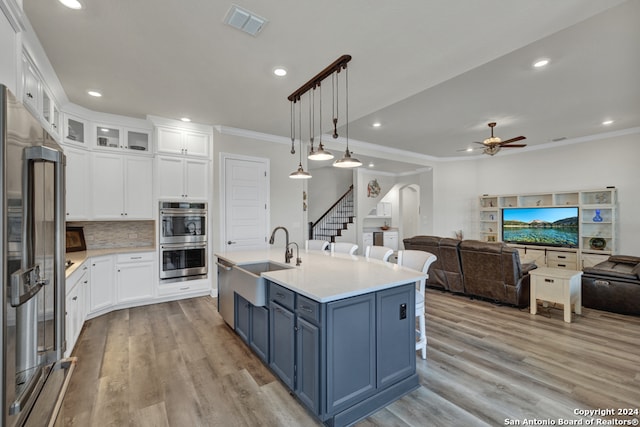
178, 364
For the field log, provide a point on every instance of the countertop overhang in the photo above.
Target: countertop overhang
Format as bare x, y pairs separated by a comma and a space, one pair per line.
326, 277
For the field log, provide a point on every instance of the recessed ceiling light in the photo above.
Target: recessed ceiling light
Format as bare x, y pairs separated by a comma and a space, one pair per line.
377, 124
607, 122
469, 149
71, 4
94, 93
279, 71
541, 63
371, 165
185, 119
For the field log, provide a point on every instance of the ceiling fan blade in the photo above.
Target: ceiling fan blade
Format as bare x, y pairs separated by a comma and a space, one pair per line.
471, 149
513, 146
476, 142
509, 141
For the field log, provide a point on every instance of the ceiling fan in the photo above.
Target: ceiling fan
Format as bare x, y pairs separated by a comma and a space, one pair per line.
493, 144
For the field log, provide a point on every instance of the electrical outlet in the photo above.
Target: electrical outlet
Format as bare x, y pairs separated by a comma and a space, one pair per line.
403, 311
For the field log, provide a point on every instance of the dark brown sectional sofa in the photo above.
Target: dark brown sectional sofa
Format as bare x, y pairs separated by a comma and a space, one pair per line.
486, 270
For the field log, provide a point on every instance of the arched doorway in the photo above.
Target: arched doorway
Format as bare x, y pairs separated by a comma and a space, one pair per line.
409, 211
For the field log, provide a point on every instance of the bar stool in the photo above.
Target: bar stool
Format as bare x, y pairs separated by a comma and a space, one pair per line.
378, 252
419, 260
344, 247
316, 245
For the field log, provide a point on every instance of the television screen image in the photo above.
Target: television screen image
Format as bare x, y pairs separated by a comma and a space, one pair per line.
551, 226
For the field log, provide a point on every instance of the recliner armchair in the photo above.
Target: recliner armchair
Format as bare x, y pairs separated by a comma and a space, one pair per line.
493, 271
613, 285
446, 271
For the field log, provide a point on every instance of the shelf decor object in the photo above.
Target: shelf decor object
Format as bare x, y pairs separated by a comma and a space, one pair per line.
597, 217
597, 243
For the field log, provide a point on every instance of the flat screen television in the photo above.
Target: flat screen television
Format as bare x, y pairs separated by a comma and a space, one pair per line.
546, 226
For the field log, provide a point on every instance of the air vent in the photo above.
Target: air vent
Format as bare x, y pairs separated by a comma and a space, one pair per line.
562, 138
245, 20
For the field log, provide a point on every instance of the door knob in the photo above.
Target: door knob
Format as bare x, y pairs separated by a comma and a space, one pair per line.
230, 242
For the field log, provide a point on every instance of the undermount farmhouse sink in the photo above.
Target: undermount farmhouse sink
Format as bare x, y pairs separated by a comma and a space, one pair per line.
248, 283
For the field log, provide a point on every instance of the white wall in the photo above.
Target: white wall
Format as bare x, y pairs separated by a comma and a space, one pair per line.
325, 187
596, 164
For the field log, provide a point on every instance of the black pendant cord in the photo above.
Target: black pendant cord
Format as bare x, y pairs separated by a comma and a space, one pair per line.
312, 106
346, 89
300, 130
320, 118
334, 87
293, 127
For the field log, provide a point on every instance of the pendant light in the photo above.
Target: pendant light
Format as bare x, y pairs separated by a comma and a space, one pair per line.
347, 161
300, 173
320, 153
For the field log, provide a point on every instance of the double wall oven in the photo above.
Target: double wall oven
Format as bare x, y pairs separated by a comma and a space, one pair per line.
183, 241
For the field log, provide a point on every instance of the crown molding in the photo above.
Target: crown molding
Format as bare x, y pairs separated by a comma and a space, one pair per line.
14, 14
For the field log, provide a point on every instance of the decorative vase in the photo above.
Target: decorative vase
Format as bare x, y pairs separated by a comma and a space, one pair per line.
597, 218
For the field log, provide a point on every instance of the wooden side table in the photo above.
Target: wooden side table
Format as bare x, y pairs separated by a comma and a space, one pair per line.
557, 285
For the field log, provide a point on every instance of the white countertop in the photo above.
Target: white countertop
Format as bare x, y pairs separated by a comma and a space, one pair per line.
79, 257
324, 277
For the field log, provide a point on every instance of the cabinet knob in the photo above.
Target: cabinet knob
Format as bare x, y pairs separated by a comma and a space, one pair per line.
29, 95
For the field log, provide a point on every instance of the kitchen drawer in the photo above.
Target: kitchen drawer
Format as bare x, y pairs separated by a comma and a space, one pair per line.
308, 309
135, 257
281, 295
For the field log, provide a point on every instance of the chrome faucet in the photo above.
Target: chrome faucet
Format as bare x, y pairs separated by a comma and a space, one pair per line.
298, 259
288, 253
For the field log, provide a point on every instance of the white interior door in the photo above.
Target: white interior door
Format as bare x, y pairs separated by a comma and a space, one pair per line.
246, 203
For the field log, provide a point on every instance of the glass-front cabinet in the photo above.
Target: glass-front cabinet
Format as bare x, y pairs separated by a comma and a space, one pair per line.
109, 137
75, 130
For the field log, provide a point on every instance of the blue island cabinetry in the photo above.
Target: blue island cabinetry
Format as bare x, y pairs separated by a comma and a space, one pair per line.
343, 359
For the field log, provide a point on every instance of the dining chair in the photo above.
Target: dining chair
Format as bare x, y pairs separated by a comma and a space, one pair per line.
419, 260
344, 247
316, 245
378, 252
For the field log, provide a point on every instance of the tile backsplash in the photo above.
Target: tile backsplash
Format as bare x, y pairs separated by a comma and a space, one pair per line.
117, 234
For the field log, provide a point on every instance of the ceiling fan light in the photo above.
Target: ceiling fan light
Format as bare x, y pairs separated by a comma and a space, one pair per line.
300, 173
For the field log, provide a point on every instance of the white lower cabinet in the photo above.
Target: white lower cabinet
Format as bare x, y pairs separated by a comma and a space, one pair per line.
102, 280
75, 307
390, 239
134, 277
182, 178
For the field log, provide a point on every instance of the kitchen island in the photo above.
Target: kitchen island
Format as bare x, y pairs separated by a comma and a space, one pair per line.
338, 330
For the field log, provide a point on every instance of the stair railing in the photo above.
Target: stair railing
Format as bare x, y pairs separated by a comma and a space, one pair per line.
341, 212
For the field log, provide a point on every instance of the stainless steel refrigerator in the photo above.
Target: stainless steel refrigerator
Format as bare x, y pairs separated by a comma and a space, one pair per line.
32, 270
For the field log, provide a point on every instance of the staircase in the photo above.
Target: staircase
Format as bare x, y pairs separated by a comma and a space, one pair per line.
335, 219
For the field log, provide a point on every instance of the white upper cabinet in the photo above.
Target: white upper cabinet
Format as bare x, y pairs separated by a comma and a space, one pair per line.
30, 85
122, 187
182, 142
75, 130
37, 97
182, 178
110, 137
78, 184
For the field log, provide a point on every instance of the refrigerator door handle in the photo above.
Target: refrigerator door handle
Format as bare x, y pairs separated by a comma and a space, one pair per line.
25, 284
